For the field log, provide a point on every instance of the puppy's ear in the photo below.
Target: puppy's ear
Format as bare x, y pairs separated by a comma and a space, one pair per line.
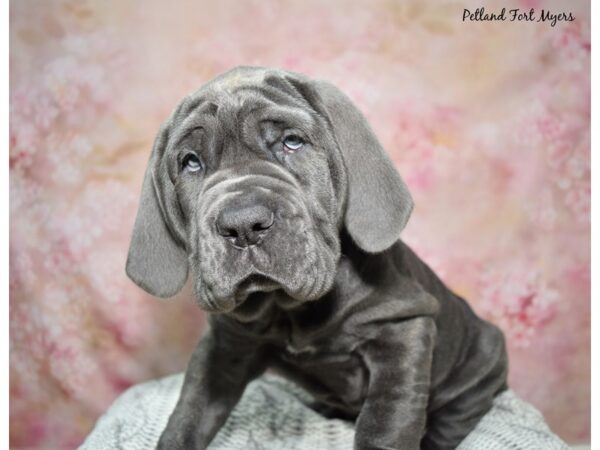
156, 262
379, 203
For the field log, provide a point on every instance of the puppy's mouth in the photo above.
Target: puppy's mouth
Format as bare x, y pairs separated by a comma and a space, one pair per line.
252, 286
255, 283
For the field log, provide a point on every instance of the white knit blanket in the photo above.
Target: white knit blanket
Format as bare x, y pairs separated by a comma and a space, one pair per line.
273, 415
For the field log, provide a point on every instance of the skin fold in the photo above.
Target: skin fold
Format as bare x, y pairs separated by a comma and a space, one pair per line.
270, 191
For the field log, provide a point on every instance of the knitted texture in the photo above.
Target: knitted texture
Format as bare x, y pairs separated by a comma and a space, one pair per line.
273, 414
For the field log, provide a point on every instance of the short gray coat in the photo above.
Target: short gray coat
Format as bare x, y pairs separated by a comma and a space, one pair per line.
310, 277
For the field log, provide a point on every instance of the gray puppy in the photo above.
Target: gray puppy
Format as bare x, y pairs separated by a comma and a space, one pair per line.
272, 190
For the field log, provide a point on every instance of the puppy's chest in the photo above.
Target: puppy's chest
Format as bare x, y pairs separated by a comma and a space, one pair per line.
332, 369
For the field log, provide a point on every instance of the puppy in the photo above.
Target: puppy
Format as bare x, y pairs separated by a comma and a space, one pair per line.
273, 193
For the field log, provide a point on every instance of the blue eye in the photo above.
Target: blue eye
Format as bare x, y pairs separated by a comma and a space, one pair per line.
293, 142
191, 163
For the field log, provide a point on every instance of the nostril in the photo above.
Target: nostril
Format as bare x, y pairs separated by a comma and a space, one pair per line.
227, 232
230, 232
263, 225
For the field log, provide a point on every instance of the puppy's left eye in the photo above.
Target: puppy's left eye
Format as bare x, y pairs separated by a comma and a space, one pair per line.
293, 142
191, 163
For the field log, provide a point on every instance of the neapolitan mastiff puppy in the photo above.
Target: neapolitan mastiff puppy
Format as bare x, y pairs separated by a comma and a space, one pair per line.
271, 190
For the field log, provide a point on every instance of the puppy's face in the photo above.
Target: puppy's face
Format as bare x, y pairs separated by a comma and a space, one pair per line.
259, 190
248, 186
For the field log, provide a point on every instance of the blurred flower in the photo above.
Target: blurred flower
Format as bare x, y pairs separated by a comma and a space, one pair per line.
519, 300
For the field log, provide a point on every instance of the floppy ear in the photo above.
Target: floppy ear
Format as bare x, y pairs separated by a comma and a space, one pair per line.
378, 204
156, 262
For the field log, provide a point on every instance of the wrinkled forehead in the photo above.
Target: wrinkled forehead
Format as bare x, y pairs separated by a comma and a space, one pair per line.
237, 95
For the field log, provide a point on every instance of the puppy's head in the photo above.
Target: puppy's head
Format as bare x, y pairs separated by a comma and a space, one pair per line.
248, 186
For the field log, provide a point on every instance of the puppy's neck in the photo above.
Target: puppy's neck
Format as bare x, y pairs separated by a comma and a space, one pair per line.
357, 276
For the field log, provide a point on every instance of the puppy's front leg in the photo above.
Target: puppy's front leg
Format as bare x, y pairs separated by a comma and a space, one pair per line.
220, 368
398, 358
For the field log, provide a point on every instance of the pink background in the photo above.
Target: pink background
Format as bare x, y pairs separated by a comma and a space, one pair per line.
489, 124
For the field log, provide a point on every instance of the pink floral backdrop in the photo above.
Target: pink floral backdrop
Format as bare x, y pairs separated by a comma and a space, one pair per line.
489, 123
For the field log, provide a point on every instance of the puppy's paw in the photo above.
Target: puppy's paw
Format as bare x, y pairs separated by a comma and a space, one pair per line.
179, 439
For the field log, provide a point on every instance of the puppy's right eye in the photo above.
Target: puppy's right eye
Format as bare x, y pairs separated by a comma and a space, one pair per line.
293, 142
191, 163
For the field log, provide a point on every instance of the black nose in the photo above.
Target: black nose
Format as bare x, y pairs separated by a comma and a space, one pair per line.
245, 226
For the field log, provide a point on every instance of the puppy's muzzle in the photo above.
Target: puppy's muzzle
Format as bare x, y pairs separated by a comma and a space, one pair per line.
245, 223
